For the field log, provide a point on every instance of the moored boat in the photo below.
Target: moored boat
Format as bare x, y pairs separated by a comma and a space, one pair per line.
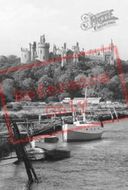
36, 154
57, 154
51, 139
82, 130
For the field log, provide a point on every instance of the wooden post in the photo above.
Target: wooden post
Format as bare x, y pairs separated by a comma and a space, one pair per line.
22, 155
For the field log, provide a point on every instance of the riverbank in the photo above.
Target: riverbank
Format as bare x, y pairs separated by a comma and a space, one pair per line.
41, 110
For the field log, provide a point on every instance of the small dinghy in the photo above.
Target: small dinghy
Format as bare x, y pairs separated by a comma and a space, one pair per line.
51, 139
57, 154
36, 154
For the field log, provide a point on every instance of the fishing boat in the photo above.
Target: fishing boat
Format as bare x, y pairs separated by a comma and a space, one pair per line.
82, 130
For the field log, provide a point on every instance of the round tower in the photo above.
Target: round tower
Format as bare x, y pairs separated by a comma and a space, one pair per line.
63, 55
43, 49
76, 50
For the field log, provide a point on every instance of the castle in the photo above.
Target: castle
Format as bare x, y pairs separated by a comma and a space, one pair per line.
41, 52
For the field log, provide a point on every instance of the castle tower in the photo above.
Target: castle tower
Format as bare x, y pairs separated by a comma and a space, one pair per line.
25, 55
63, 55
76, 50
30, 50
54, 49
109, 56
34, 52
43, 49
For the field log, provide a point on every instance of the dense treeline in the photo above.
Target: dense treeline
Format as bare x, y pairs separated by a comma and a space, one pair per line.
40, 83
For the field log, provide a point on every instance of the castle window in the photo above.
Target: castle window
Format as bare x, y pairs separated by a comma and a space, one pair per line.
40, 51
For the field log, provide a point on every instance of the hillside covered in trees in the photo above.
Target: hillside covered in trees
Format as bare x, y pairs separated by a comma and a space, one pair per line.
51, 82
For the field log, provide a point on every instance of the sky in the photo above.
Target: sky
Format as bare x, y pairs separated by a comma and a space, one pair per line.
23, 21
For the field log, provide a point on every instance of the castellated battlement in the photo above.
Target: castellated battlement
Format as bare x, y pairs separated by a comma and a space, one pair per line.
46, 45
40, 51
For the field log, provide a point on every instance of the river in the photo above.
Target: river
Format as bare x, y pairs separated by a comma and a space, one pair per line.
96, 165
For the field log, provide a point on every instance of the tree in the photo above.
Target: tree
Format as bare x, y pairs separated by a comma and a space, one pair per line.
114, 85
97, 70
106, 94
64, 78
3, 60
56, 74
12, 59
8, 88
45, 80
43, 83
81, 79
28, 84
21, 75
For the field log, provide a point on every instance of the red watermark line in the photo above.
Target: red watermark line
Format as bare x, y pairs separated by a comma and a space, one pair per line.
6, 115
121, 76
61, 109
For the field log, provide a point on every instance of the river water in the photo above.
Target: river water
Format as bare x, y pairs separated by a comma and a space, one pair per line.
96, 165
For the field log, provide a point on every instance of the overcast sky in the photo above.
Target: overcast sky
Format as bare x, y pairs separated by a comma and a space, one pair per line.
23, 21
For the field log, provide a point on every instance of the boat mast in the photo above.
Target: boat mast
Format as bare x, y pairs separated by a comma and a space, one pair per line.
85, 101
116, 114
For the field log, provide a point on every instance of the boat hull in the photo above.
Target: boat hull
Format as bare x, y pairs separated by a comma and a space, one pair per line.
57, 154
76, 136
83, 132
